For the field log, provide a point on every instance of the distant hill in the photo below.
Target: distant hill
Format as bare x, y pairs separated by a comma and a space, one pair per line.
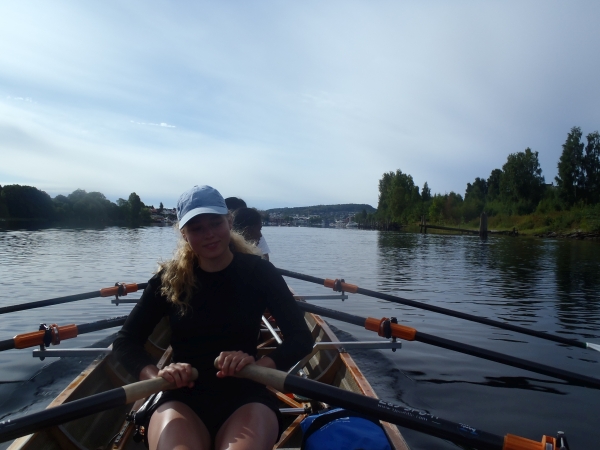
325, 211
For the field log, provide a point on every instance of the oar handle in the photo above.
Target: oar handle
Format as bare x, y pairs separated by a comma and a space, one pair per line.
12, 429
260, 374
143, 389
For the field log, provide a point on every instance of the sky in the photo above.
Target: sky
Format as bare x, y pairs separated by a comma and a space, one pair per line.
288, 103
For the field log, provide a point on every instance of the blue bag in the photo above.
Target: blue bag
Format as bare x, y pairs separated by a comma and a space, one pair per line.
340, 429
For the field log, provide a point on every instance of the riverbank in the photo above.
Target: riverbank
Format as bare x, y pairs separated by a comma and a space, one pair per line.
577, 223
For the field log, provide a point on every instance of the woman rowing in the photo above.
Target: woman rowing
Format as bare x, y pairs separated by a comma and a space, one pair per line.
214, 292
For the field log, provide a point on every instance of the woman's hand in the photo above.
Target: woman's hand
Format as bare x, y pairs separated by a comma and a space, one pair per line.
229, 363
179, 374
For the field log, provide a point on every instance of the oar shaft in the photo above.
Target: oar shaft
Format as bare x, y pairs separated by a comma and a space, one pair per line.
71, 298
12, 429
37, 337
389, 412
437, 309
508, 360
448, 344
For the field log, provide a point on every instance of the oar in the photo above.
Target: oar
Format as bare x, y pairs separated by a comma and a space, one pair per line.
352, 288
12, 429
105, 292
389, 412
55, 334
387, 329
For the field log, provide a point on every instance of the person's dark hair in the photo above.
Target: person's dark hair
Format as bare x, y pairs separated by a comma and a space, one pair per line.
234, 203
245, 217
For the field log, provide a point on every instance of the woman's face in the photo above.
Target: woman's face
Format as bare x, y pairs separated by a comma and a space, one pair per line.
208, 235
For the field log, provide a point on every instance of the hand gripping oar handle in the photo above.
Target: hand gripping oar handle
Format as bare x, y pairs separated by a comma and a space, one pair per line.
56, 333
354, 289
12, 429
105, 292
390, 412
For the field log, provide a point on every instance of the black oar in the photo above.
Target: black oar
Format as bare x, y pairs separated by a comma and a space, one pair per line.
55, 334
12, 429
387, 329
389, 412
105, 292
352, 288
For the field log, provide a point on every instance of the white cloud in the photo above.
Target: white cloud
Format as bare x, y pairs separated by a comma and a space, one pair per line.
285, 103
162, 124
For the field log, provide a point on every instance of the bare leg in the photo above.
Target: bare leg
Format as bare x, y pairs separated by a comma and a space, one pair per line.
251, 427
175, 426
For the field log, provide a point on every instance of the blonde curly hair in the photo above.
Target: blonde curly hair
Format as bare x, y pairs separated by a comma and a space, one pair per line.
177, 274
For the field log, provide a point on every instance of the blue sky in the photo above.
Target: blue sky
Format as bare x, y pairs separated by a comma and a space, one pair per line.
288, 103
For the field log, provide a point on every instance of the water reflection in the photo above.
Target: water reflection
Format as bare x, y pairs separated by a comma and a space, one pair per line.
513, 279
519, 264
578, 285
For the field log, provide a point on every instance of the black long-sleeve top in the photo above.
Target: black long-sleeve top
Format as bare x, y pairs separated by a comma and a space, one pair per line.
225, 315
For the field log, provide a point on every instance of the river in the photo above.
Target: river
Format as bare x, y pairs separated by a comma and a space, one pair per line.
547, 285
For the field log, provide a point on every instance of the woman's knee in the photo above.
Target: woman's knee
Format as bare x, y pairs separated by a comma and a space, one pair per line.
252, 426
175, 425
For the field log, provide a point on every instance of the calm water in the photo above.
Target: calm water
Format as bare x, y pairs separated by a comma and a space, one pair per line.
541, 284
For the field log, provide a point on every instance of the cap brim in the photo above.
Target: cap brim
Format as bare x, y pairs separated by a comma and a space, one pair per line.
204, 210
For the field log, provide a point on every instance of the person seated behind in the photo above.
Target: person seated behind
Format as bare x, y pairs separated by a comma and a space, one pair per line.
234, 204
248, 222
214, 291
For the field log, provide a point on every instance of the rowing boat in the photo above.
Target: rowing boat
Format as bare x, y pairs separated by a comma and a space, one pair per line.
329, 363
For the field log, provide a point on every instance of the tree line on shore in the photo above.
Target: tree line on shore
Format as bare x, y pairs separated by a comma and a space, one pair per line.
30, 203
517, 189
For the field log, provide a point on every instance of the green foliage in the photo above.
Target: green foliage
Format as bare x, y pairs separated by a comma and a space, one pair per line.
521, 183
27, 202
570, 174
591, 168
3, 208
446, 209
551, 201
426, 193
474, 202
493, 185
516, 190
135, 207
399, 199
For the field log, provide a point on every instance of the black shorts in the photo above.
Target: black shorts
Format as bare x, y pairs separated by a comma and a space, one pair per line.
214, 402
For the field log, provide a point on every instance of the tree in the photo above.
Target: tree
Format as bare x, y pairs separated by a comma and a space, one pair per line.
493, 185
3, 208
135, 207
161, 207
399, 199
425, 193
570, 179
446, 208
591, 168
522, 183
27, 202
475, 196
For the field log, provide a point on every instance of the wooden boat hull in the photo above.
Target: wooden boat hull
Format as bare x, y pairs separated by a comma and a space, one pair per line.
109, 430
